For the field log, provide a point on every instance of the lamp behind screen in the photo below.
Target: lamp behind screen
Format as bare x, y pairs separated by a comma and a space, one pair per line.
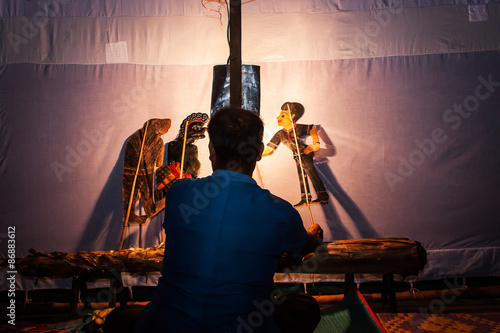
250, 90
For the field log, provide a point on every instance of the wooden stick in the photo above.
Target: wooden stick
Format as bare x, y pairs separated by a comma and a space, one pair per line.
127, 216
301, 167
123, 237
183, 149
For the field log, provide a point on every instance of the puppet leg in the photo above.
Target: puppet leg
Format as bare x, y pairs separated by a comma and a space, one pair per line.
135, 196
147, 198
319, 187
303, 187
141, 193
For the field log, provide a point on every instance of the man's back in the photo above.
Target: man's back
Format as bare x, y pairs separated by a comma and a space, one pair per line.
224, 237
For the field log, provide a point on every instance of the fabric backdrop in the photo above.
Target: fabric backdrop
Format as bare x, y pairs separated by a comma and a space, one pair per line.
405, 98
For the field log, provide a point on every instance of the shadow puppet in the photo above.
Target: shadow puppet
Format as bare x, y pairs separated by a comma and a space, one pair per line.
182, 153
116, 198
195, 131
332, 185
143, 153
293, 136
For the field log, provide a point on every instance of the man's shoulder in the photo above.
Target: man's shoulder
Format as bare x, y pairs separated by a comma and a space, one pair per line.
215, 182
279, 202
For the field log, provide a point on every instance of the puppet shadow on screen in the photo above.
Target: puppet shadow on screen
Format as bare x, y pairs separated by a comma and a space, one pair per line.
105, 223
140, 159
336, 226
133, 178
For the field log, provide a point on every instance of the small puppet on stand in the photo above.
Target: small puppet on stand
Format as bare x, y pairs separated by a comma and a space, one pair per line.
143, 152
182, 160
305, 165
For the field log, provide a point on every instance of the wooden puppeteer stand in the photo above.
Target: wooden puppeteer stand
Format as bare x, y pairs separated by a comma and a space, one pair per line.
382, 256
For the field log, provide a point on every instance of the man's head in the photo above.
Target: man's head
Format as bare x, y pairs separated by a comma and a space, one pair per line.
235, 140
296, 109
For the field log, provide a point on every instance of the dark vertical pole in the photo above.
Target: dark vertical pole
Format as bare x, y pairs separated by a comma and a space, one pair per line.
235, 53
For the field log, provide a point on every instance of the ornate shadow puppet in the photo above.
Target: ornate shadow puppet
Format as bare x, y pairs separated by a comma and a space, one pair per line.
182, 154
144, 152
287, 136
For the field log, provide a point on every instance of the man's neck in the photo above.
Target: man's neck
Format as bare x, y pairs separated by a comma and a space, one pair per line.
235, 168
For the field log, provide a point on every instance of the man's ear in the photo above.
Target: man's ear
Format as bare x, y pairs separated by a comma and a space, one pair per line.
261, 150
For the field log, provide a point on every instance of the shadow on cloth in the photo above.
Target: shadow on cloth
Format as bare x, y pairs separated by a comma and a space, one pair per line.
333, 186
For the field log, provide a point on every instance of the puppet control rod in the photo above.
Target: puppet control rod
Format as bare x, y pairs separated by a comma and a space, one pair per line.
301, 167
133, 189
183, 149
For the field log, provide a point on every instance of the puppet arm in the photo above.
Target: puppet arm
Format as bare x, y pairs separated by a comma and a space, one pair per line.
315, 145
268, 151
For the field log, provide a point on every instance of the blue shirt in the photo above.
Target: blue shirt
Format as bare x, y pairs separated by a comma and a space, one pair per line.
224, 237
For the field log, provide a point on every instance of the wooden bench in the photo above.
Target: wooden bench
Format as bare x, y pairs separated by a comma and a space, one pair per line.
386, 256
381, 256
87, 266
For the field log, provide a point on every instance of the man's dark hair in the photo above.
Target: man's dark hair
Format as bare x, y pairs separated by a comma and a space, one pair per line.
236, 136
296, 109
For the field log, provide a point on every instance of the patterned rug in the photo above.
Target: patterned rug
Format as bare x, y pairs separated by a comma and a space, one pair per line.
442, 323
354, 315
351, 315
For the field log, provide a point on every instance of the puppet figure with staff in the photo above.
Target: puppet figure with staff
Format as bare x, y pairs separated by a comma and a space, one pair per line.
291, 135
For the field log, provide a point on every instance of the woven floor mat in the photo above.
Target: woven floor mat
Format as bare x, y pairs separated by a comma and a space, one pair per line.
442, 323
